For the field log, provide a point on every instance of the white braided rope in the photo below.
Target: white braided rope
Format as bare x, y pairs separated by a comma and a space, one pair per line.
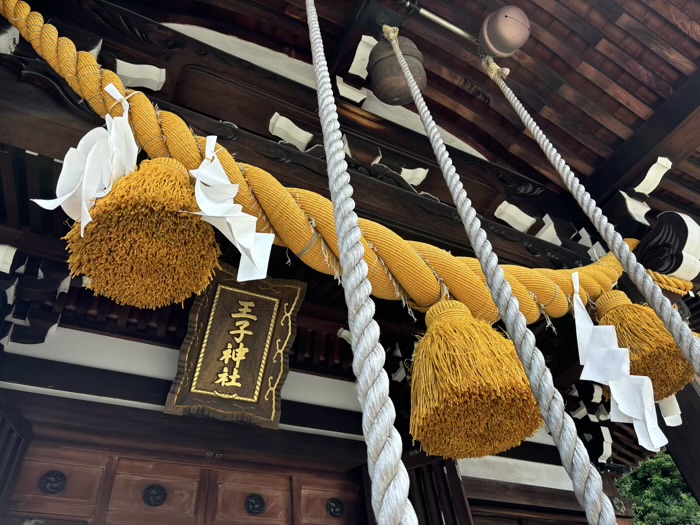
587, 483
689, 345
390, 482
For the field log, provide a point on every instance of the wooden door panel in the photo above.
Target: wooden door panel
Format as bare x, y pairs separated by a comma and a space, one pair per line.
315, 508
81, 486
178, 484
233, 489
318, 492
128, 494
231, 506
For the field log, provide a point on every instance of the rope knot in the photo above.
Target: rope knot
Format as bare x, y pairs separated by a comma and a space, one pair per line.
390, 33
494, 70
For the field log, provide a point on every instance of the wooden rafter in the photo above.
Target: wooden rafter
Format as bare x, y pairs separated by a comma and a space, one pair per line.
671, 132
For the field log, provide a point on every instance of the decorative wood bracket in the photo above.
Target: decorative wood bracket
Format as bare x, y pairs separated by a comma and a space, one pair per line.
672, 247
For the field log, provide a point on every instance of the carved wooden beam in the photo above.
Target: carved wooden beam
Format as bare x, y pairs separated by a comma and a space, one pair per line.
29, 289
84, 422
35, 121
200, 77
670, 132
672, 246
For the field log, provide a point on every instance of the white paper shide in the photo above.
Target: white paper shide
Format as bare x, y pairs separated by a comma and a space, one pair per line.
215, 194
103, 156
631, 397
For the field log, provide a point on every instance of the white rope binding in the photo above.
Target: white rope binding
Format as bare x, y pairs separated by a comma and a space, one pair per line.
587, 483
686, 341
390, 482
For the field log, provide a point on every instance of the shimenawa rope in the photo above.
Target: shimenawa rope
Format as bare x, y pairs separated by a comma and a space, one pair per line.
302, 220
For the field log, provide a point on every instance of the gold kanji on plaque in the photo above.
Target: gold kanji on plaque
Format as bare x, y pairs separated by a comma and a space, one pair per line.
234, 359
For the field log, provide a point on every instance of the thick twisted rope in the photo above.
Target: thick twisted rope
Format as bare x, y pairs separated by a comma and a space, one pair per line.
390, 481
303, 221
587, 483
671, 284
689, 345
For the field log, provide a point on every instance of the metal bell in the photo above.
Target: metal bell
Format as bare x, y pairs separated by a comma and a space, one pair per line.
504, 31
388, 82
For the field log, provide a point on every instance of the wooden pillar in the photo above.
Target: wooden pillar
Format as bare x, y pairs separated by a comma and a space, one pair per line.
436, 492
15, 433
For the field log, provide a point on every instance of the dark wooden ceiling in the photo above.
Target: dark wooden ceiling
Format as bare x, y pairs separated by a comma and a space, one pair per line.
592, 73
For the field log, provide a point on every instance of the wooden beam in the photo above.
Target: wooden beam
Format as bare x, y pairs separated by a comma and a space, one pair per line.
200, 77
478, 490
671, 132
680, 189
78, 379
82, 422
411, 215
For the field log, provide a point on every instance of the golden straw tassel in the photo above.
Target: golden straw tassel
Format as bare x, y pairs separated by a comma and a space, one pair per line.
141, 248
470, 395
653, 352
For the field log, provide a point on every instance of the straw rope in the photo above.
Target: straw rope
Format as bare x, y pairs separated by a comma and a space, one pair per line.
303, 220
671, 284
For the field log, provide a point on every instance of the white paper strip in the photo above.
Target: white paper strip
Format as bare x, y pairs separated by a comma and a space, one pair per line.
671, 411
215, 197
632, 397
7, 255
141, 75
102, 157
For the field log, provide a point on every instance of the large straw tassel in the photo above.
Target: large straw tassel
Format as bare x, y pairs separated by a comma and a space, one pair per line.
653, 352
142, 248
469, 393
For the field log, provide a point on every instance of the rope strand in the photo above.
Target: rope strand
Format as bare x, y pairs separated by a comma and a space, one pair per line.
588, 485
303, 220
390, 481
682, 335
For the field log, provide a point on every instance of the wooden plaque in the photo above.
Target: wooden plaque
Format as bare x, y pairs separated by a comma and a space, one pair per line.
235, 357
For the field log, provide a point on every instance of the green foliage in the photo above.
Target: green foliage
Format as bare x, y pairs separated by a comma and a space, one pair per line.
659, 494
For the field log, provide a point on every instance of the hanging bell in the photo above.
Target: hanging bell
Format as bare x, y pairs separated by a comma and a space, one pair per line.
388, 82
504, 31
